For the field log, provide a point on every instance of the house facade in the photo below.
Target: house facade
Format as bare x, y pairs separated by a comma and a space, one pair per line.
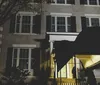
61, 20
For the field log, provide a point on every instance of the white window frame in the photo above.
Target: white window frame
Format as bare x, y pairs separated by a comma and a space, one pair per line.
88, 3
89, 17
22, 46
31, 14
18, 58
66, 15
55, 3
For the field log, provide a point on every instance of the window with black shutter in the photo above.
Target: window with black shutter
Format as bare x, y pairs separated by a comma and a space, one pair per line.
61, 23
25, 23
25, 58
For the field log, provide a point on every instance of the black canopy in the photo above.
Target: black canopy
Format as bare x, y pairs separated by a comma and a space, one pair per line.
87, 42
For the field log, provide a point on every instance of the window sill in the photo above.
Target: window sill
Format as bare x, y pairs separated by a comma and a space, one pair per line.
25, 34
92, 5
61, 33
61, 4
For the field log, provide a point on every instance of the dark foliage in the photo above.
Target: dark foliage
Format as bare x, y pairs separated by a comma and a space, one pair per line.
16, 77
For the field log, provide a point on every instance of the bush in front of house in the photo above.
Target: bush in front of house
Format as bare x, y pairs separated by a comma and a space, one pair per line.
15, 77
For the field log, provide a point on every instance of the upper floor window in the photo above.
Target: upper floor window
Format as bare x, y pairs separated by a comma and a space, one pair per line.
63, 1
90, 21
25, 23
61, 23
90, 2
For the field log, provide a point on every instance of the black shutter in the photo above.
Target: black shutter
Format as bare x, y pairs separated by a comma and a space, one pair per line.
37, 24
82, 2
83, 22
12, 24
73, 24
9, 60
35, 53
48, 23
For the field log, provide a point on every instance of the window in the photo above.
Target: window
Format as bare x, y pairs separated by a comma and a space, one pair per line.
63, 1
25, 22
91, 21
92, 2
60, 24
26, 58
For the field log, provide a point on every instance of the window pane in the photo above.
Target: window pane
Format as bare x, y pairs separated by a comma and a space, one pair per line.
68, 2
94, 21
23, 64
61, 29
85, 1
25, 28
53, 24
61, 20
63, 72
61, 24
69, 24
93, 2
87, 22
61, 1
26, 24
24, 53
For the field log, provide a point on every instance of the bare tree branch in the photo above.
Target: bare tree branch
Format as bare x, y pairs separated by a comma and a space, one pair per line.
9, 8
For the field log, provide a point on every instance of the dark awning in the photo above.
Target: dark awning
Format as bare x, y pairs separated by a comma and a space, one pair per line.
87, 42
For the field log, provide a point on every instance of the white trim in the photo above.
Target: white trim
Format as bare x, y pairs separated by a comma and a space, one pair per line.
25, 13
62, 33
61, 14
61, 4
92, 5
17, 63
92, 15
25, 45
29, 60
25, 33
